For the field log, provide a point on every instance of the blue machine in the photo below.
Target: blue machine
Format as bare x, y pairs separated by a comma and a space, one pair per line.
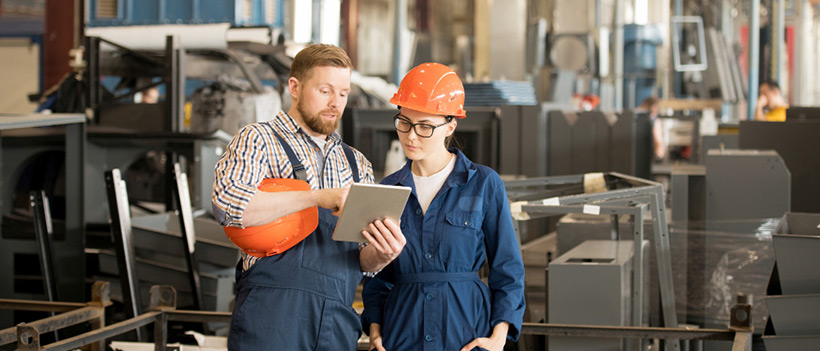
640, 62
147, 12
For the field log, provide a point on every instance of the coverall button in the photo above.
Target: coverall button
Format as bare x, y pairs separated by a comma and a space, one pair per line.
428, 255
428, 337
429, 296
418, 211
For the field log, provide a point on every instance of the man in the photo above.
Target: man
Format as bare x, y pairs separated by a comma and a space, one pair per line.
302, 298
771, 106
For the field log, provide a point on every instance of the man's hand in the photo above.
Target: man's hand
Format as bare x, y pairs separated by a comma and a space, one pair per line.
332, 199
386, 243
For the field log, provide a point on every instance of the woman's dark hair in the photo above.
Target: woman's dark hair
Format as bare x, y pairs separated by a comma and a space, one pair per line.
451, 141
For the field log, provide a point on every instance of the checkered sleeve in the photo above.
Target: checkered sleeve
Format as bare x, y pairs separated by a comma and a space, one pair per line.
237, 174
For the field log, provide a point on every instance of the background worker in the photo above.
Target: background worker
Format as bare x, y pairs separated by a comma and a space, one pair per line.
456, 218
771, 106
300, 299
653, 106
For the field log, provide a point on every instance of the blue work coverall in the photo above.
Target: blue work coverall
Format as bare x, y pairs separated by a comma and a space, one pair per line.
302, 298
431, 297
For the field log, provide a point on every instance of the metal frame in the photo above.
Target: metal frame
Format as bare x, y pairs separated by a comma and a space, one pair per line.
677, 29
27, 335
642, 196
742, 338
163, 310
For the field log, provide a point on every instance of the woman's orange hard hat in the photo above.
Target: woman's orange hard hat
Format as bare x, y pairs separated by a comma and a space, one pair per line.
432, 88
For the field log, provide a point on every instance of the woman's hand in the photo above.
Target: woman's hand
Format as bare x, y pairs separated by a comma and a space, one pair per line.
494, 343
376, 338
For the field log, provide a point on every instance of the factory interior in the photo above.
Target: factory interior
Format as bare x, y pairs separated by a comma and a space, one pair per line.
656, 157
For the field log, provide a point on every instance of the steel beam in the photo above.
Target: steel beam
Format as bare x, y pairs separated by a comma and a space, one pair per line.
596, 331
754, 58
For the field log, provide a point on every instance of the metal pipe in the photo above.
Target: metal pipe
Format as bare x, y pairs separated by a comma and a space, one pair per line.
779, 29
104, 333
400, 23
627, 332
40, 306
618, 48
754, 58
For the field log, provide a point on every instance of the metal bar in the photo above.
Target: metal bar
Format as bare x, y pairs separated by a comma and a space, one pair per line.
41, 306
104, 333
186, 226
637, 269
626, 332
603, 210
175, 78
42, 233
541, 181
199, 316
742, 341
754, 58
66, 319
779, 29
663, 253
161, 332
71, 281
400, 24
121, 230
618, 61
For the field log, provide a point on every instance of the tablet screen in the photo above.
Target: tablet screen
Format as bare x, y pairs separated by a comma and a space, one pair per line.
366, 203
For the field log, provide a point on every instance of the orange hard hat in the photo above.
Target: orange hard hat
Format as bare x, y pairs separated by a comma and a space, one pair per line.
432, 88
282, 234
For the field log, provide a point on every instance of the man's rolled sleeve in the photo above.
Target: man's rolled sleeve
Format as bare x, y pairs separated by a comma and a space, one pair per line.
236, 176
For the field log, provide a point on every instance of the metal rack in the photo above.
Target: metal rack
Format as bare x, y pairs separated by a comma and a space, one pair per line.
631, 196
27, 335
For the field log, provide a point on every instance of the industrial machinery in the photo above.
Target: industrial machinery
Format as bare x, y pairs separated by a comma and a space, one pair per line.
600, 271
617, 195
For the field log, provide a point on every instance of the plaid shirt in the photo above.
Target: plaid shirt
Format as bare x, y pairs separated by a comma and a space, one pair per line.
254, 154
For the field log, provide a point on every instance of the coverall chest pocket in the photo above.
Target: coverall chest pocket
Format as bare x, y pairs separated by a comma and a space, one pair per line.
461, 237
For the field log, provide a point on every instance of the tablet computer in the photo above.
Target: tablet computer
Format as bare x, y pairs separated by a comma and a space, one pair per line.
366, 203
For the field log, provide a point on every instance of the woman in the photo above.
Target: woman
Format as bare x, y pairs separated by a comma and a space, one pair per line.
457, 217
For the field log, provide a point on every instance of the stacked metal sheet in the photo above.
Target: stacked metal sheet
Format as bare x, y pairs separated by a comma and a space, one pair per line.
794, 323
499, 93
158, 246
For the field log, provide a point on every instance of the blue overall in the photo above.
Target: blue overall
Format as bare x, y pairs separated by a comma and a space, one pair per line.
431, 298
302, 298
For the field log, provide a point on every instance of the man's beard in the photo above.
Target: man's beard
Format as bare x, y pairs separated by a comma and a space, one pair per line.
315, 121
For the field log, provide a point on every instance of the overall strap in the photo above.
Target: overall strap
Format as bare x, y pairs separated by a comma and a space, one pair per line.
299, 171
351, 159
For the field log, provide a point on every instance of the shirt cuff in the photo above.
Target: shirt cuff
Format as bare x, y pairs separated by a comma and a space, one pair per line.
368, 274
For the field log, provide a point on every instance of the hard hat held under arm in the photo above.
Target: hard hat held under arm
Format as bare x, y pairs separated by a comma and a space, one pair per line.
432, 88
280, 235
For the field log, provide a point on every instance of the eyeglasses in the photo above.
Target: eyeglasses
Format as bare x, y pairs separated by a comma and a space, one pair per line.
423, 130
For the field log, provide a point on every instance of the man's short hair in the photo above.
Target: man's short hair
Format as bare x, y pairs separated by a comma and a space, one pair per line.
650, 101
318, 55
772, 84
